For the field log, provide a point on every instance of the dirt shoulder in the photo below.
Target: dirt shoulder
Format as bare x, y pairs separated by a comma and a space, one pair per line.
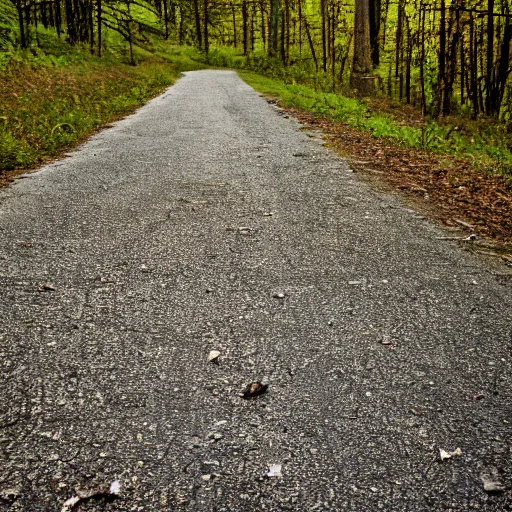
446, 189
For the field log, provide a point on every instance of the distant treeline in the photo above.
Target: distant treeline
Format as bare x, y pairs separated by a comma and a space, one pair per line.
437, 54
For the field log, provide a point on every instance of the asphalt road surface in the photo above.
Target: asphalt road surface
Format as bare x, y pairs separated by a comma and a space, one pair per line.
207, 221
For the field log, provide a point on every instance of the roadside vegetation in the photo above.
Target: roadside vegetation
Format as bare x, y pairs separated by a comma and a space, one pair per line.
487, 144
429, 82
49, 102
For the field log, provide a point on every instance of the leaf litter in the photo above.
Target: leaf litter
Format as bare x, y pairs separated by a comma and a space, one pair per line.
448, 189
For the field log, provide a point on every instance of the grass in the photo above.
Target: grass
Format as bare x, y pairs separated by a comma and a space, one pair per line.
51, 101
54, 96
487, 143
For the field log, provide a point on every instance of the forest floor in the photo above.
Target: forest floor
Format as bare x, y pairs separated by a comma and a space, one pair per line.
447, 189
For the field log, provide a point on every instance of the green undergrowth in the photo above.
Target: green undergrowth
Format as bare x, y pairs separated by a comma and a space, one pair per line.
487, 143
53, 98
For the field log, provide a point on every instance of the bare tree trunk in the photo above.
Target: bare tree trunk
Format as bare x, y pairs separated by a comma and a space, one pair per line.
441, 76
206, 21
462, 70
323, 9
130, 35
473, 66
98, 22
489, 78
197, 16
333, 46
408, 62
91, 26
274, 23
287, 28
181, 29
166, 19
375, 7
361, 64
422, 62
244, 25
21, 23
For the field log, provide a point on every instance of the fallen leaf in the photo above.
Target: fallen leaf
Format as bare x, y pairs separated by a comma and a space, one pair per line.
448, 455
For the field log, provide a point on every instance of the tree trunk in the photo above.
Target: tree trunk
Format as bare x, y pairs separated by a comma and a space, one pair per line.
181, 28
462, 70
489, 78
422, 62
323, 9
91, 27
333, 47
408, 62
399, 40
130, 35
166, 20
274, 23
197, 16
473, 66
441, 76
361, 64
206, 39
98, 22
375, 7
287, 28
21, 23
244, 26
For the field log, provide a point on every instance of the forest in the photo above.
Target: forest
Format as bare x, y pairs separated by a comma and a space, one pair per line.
416, 92
441, 56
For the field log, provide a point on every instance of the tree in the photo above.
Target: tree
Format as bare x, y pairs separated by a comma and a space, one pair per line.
274, 23
362, 64
374, 14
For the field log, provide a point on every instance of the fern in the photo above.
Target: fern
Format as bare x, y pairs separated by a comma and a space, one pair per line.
8, 30
13, 153
8, 25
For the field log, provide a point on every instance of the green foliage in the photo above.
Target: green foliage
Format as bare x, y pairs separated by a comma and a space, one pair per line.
13, 153
487, 145
53, 102
8, 31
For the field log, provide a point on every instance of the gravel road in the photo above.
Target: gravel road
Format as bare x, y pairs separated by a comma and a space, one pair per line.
208, 221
